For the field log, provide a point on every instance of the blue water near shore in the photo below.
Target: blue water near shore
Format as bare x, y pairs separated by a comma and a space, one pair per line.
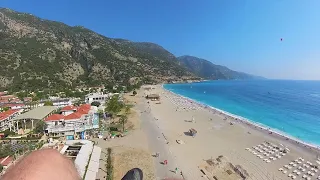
292, 107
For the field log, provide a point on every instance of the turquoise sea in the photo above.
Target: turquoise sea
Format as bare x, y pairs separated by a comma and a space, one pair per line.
291, 107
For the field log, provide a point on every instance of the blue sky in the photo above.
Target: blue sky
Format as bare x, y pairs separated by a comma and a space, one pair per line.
243, 35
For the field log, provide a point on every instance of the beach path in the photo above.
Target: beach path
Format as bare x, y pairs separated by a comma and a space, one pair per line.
157, 143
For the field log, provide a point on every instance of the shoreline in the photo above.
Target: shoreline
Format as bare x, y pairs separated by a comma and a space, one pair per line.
250, 124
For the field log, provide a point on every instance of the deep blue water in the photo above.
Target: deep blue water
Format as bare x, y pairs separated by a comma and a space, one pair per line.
292, 107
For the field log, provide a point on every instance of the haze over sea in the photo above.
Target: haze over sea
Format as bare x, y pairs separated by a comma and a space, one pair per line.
292, 107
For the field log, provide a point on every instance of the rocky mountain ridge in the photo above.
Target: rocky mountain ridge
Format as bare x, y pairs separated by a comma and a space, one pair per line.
37, 53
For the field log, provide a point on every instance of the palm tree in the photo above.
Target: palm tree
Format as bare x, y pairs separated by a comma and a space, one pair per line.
123, 120
127, 110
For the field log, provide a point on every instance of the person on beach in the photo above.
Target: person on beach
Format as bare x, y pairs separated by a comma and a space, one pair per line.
176, 170
165, 162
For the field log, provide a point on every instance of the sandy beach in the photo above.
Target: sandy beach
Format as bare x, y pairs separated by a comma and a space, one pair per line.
257, 150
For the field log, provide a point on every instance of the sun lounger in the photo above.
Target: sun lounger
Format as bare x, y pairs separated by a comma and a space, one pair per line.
304, 176
280, 169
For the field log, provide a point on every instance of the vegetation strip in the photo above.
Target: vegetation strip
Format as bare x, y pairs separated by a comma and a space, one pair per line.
109, 165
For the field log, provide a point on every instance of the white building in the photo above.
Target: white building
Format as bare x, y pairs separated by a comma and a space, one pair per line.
57, 102
6, 118
74, 121
99, 97
68, 110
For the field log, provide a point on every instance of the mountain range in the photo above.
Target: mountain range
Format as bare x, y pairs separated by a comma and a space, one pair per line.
36, 53
207, 70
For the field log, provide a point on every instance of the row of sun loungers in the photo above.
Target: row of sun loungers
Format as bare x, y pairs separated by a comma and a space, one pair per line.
302, 168
270, 151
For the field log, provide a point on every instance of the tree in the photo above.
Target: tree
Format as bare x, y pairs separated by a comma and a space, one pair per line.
5, 109
77, 103
114, 106
123, 120
7, 132
127, 110
134, 92
48, 103
95, 103
35, 98
40, 127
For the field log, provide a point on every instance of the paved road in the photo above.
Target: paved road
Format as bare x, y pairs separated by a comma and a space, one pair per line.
157, 143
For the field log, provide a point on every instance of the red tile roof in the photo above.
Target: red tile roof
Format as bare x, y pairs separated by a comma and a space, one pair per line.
12, 105
85, 106
69, 108
75, 115
8, 97
6, 160
6, 114
54, 117
83, 111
